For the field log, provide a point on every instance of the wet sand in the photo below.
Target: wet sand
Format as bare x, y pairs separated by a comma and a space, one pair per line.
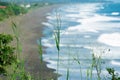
30, 26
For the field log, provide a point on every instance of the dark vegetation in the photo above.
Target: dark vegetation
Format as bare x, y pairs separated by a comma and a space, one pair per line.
11, 66
10, 9
14, 9
7, 56
114, 76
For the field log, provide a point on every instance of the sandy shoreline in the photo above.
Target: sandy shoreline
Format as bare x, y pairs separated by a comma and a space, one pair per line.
31, 27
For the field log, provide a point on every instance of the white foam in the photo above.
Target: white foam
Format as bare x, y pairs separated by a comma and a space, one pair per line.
82, 28
73, 15
93, 24
51, 17
97, 18
79, 7
115, 63
112, 39
71, 45
87, 36
46, 43
115, 13
51, 66
52, 62
47, 24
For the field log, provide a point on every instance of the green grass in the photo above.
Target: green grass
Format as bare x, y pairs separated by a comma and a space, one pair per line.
57, 28
16, 33
11, 9
7, 56
40, 51
11, 63
19, 67
78, 61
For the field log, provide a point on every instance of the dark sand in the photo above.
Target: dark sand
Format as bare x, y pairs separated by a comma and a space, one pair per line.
30, 26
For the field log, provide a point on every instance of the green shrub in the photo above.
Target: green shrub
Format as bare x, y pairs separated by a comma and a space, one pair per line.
16, 9
2, 14
7, 56
11, 10
114, 76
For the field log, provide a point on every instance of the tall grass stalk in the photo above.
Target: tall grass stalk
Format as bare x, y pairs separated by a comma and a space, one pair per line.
67, 77
96, 63
91, 70
18, 73
89, 73
19, 67
17, 37
57, 28
68, 65
87, 77
40, 50
40, 54
78, 61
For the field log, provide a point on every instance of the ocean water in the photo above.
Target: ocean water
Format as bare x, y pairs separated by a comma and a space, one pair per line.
86, 29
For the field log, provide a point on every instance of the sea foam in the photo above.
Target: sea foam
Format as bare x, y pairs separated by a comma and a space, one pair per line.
115, 13
112, 39
115, 63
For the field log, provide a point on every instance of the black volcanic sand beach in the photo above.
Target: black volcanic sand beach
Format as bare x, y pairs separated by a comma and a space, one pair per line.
30, 26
